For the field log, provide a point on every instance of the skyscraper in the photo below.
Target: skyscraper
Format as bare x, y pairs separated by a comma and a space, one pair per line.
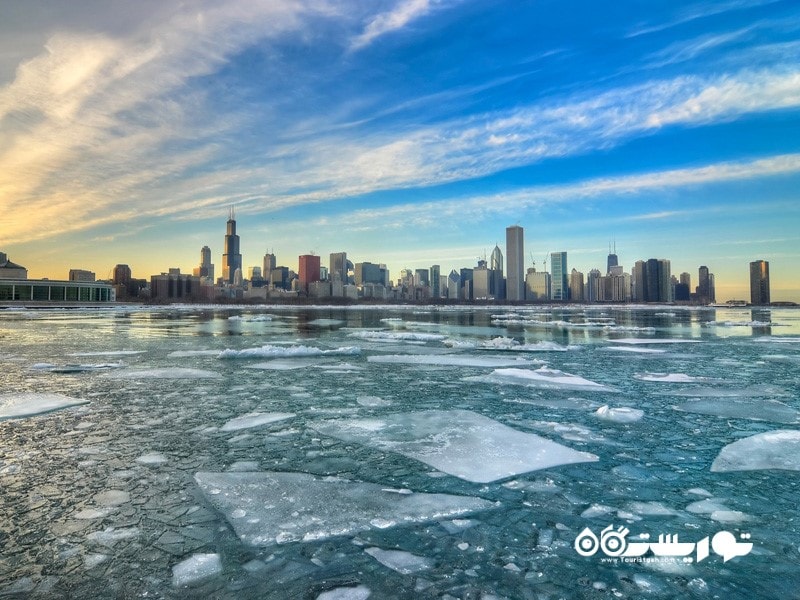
612, 260
231, 258
268, 265
515, 257
497, 283
338, 267
435, 275
559, 276
704, 295
759, 283
206, 268
309, 265
576, 286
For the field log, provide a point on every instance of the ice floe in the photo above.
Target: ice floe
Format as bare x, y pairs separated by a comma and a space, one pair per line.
108, 353
511, 345
745, 391
400, 561
633, 350
541, 377
359, 592
636, 341
196, 568
110, 536
402, 336
270, 351
778, 449
556, 403
191, 353
619, 414
448, 360
568, 431
254, 419
28, 404
757, 409
152, 459
670, 377
372, 401
288, 507
458, 442
163, 373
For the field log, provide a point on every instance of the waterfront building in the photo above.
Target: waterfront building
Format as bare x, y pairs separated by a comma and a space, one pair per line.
309, 267
537, 285
515, 257
269, 262
206, 268
705, 288
10, 270
338, 272
453, 285
231, 258
559, 275
175, 285
593, 288
367, 272
759, 283
81, 275
435, 281
576, 286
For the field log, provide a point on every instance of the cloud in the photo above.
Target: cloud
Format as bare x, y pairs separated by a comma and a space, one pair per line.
401, 15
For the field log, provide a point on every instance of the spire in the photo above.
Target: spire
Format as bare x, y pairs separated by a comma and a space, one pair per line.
232, 214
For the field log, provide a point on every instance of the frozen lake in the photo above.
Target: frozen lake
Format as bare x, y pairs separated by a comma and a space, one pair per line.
390, 452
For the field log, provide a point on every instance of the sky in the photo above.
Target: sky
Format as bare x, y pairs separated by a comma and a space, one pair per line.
404, 132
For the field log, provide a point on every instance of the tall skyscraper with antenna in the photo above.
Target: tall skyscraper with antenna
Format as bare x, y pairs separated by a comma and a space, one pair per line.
613, 260
231, 258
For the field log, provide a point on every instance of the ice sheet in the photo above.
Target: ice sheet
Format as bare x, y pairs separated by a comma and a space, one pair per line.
635, 350
286, 364
359, 592
448, 360
254, 419
635, 341
273, 508
620, 414
18, 406
757, 409
165, 373
400, 561
778, 449
457, 442
541, 377
269, 351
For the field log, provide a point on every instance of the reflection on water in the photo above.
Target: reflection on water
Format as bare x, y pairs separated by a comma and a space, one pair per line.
367, 472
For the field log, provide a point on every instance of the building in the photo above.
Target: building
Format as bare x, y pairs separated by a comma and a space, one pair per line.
268, 264
537, 285
651, 281
279, 279
576, 286
206, 268
497, 286
175, 285
759, 283
435, 281
515, 264
338, 268
559, 276
453, 285
613, 259
705, 289
231, 258
81, 275
309, 270
10, 270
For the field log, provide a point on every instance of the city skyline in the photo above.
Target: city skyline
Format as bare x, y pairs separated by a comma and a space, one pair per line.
408, 133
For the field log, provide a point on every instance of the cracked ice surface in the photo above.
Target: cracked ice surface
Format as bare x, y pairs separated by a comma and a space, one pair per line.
457, 442
273, 508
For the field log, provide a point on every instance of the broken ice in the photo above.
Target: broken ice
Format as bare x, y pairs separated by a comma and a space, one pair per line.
17, 406
254, 419
541, 377
273, 508
457, 442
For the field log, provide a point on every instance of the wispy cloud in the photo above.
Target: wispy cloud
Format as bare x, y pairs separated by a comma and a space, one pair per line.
694, 12
403, 13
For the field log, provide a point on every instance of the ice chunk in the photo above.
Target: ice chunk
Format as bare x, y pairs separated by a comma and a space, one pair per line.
541, 377
779, 449
757, 409
164, 373
652, 508
670, 377
636, 341
108, 353
254, 419
325, 322
195, 569
448, 360
512, 345
269, 351
288, 507
457, 442
286, 364
111, 536
112, 498
568, 431
244, 465
620, 414
360, 592
190, 353
372, 401
557, 403
634, 349
400, 561
597, 510
153, 458
402, 336
18, 406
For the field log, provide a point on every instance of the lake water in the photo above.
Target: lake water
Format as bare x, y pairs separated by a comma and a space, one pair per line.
392, 452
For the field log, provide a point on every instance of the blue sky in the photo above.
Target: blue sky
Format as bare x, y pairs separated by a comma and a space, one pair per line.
407, 132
